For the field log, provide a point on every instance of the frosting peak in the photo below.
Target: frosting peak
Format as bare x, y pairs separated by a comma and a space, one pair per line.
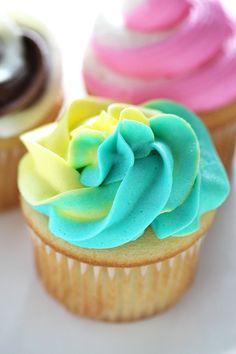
107, 171
155, 15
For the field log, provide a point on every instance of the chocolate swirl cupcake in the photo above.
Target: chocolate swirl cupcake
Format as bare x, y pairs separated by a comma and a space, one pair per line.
30, 91
21, 87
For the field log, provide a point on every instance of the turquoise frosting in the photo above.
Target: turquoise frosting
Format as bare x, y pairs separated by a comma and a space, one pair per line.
164, 174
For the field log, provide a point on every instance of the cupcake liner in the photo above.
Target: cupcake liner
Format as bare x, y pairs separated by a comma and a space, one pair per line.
114, 293
224, 138
9, 159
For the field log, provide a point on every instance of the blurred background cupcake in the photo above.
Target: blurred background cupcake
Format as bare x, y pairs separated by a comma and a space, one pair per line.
184, 50
30, 91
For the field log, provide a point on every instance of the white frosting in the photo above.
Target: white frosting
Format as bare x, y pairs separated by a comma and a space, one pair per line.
12, 60
129, 5
102, 72
110, 31
16, 123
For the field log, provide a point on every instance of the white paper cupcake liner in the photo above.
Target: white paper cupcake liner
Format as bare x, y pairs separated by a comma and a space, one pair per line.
114, 293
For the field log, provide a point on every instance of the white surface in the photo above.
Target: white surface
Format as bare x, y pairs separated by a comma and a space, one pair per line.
32, 323
204, 321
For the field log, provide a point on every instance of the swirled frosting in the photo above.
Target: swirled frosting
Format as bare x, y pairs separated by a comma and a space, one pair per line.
183, 50
28, 74
107, 171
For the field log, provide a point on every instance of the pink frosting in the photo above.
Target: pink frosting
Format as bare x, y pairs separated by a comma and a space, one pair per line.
194, 62
153, 15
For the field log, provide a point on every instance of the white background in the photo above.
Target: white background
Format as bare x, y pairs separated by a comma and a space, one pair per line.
204, 322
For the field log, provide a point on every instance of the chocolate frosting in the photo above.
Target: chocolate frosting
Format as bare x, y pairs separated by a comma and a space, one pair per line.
26, 85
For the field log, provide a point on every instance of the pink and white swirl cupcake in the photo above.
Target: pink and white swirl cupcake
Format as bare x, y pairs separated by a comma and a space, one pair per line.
184, 50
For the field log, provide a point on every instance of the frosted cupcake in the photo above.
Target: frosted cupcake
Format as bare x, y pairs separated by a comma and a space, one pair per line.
118, 199
184, 50
30, 92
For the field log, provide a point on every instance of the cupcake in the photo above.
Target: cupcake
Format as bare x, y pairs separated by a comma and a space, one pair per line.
118, 199
30, 92
182, 50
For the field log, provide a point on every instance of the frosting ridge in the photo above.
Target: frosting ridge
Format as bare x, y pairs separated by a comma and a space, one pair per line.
107, 171
154, 15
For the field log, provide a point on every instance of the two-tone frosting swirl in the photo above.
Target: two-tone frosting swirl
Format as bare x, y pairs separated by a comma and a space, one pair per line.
107, 171
180, 49
28, 73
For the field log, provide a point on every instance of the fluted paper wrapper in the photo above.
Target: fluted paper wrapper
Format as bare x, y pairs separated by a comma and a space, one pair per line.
222, 126
10, 156
114, 293
224, 139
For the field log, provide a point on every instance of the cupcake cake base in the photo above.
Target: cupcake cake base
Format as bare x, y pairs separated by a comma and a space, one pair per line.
224, 139
11, 151
126, 283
